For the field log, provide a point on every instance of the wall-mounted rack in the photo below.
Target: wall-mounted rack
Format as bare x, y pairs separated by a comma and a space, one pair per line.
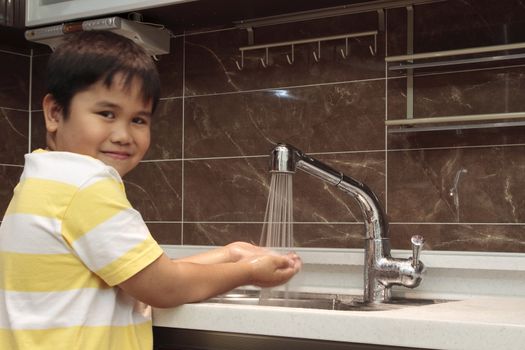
414, 124
459, 52
412, 61
359, 7
316, 53
457, 118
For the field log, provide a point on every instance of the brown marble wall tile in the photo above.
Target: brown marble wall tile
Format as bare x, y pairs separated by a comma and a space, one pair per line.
155, 190
325, 118
211, 57
166, 131
9, 176
14, 129
38, 130
221, 233
457, 185
38, 87
225, 190
331, 235
305, 235
14, 85
171, 68
461, 237
240, 188
166, 233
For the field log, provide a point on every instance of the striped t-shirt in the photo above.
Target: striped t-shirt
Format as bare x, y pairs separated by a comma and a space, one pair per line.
68, 238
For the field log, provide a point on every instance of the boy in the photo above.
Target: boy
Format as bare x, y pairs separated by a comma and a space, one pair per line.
75, 256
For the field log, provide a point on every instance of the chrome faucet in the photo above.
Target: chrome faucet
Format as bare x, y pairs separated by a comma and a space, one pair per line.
381, 270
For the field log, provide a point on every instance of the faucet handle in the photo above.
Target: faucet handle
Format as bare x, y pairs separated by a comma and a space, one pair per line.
417, 245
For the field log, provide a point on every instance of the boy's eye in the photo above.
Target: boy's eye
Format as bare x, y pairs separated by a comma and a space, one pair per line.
107, 114
140, 120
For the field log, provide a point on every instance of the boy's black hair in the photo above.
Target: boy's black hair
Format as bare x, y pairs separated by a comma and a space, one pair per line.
88, 57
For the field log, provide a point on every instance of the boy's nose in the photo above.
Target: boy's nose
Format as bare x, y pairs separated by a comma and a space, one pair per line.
121, 134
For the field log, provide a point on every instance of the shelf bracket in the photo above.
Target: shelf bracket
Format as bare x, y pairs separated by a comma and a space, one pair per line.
410, 72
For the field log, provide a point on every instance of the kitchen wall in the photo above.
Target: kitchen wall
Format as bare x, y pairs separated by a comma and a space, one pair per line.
205, 179
14, 110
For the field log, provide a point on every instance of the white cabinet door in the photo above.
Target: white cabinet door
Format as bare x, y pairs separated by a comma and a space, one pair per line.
41, 12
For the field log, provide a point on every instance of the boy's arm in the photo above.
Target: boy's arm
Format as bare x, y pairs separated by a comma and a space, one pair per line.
167, 283
230, 253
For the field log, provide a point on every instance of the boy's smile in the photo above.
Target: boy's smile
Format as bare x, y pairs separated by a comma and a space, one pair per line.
110, 124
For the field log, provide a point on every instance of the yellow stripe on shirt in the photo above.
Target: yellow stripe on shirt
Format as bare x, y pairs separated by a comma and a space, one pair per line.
45, 272
92, 206
127, 265
132, 337
41, 197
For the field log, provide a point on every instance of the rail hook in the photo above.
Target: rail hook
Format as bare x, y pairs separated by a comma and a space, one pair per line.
240, 66
373, 50
292, 59
346, 52
265, 61
317, 56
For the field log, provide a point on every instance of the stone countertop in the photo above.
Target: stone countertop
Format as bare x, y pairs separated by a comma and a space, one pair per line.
489, 312
475, 323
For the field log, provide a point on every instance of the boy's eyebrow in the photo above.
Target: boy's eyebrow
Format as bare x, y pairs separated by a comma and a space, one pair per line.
108, 104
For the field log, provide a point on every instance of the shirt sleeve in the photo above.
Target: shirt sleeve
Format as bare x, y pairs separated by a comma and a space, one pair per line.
106, 233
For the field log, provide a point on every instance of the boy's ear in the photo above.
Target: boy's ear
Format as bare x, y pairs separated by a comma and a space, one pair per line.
53, 113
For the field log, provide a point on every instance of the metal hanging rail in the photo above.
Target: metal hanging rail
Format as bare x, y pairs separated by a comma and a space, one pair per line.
455, 119
316, 53
336, 11
458, 62
404, 130
457, 52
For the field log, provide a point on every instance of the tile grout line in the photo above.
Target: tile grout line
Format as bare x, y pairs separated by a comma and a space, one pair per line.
270, 89
15, 109
386, 114
342, 152
182, 136
341, 223
15, 53
30, 103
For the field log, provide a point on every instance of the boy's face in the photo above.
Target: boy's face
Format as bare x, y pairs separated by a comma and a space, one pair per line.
109, 124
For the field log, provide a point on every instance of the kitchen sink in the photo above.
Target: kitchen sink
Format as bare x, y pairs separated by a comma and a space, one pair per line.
314, 300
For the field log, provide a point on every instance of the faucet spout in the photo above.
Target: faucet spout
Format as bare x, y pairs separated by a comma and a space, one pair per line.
381, 270
286, 158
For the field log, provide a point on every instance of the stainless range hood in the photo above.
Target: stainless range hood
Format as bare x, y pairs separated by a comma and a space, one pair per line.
155, 40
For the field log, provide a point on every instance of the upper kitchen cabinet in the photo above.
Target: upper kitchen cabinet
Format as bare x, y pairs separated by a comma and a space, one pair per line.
41, 12
181, 14
12, 13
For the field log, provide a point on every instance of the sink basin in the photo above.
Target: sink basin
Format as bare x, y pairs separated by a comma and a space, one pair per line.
314, 300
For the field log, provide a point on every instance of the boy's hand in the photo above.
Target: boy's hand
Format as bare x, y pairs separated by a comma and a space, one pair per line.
242, 250
272, 270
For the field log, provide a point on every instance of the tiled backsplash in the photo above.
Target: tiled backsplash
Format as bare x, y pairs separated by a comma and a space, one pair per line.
14, 112
205, 179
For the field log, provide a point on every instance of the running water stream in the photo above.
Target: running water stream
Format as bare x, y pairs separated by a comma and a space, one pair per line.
278, 221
